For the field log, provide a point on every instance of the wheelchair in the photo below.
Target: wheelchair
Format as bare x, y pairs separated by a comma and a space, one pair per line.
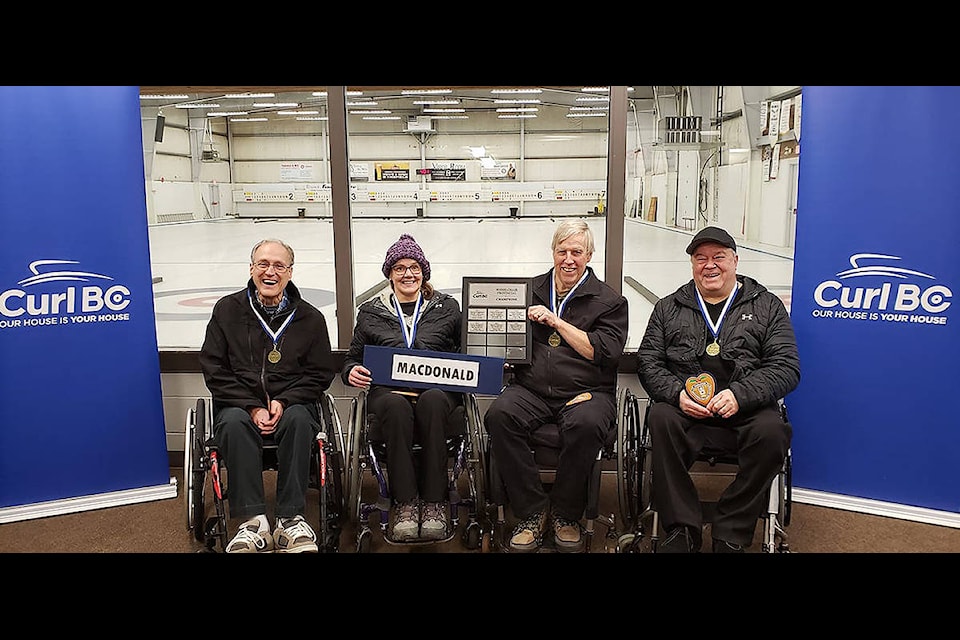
545, 447
367, 451
205, 471
643, 522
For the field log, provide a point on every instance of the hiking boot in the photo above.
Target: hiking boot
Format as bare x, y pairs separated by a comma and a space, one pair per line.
433, 520
406, 521
250, 539
567, 535
680, 540
294, 535
722, 546
528, 534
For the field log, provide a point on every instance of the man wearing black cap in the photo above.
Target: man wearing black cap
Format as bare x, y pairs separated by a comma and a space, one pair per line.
731, 327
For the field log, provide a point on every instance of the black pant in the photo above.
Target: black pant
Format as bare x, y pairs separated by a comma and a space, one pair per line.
399, 424
241, 446
761, 441
584, 428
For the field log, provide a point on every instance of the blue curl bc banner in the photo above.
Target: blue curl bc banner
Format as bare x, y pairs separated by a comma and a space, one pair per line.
875, 275
80, 373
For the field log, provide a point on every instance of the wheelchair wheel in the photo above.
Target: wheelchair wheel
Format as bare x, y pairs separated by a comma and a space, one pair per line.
354, 467
628, 472
364, 541
472, 536
196, 471
477, 459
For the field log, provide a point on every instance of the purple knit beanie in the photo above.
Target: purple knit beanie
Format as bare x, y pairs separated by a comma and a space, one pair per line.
406, 247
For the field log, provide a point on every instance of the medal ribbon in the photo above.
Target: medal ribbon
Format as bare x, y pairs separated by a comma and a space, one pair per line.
411, 332
558, 311
273, 336
715, 328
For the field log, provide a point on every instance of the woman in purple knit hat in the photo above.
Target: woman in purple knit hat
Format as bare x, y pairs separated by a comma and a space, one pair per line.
409, 313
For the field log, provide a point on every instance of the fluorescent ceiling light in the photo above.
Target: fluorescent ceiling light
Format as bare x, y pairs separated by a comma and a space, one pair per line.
517, 115
381, 117
444, 110
248, 119
517, 110
181, 96
221, 114
529, 90
449, 117
275, 105
436, 102
365, 103
425, 92
197, 105
370, 112
250, 95
598, 108
310, 118
323, 94
596, 89
519, 101
588, 114
593, 99
299, 112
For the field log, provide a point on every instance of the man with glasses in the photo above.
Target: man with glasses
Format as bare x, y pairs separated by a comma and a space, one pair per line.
734, 339
266, 360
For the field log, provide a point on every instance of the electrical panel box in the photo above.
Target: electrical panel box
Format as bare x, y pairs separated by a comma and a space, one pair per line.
419, 124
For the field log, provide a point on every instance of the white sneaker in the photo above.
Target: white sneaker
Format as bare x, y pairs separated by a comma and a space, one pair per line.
406, 521
294, 535
250, 539
433, 523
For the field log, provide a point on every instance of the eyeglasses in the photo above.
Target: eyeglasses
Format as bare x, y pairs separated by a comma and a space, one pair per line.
278, 267
399, 269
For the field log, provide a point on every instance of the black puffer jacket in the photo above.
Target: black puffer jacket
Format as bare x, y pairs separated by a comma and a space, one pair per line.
562, 373
233, 357
377, 324
756, 335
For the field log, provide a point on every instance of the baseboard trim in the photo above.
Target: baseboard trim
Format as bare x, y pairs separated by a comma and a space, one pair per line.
88, 503
876, 507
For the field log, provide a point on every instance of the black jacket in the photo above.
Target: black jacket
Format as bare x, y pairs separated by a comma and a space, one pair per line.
560, 373
756, 335
233, 357
377, 324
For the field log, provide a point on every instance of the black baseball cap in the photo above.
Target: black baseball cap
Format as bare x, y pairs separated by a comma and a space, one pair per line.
711, 234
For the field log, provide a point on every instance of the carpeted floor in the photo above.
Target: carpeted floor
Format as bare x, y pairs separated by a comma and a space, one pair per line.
161, 527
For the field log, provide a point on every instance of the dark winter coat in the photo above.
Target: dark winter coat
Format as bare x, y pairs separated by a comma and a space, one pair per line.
562, 373
438, 328
756, 335
233, 357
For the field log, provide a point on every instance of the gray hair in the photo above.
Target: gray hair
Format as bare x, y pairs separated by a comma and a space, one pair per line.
283, 244
573, 227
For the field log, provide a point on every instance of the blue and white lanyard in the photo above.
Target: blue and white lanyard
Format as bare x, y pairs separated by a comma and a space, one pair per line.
715, 328
275, 336
558, 311
409, 333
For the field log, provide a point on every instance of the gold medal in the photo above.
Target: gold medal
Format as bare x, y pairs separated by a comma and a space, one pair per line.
713, 349
273, 356
554, 339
